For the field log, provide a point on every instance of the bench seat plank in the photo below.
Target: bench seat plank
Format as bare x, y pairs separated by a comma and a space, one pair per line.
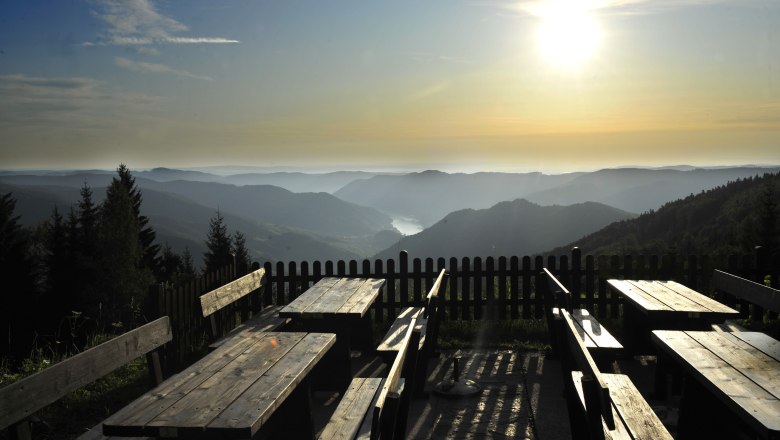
590, 330
267, 320
395, 335
353, 409
634, 417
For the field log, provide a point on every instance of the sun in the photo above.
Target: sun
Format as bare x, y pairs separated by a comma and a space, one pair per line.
568, 34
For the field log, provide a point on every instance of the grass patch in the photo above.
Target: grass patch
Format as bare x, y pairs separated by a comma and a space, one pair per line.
519, 334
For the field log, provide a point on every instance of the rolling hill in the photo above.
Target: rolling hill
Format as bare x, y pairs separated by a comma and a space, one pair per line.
508, 228
723, 220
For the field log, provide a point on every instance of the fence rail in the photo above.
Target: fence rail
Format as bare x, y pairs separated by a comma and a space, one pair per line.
490, 288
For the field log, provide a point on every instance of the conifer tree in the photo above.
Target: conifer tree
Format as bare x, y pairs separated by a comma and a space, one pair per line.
18, 295
147, 235
219, 245
241, 253
768, 218
124, 279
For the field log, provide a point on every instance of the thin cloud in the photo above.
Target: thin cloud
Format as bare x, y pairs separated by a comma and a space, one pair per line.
138, 23
144, 67
608, 7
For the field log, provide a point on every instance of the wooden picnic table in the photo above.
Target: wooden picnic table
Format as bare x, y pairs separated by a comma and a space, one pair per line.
232, 392
733, 382
664, 305
338, 305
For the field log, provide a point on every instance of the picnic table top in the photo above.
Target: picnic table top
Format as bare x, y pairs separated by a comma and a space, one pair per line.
742, 369
669, 297
333, 296
231, 392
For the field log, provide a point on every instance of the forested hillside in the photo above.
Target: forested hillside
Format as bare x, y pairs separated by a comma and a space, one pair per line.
732, 218
508, 228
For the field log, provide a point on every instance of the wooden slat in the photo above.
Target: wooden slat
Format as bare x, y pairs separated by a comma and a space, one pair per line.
755, 365
264, 396
750, 291
754, 404
26, 396
397, 332
335, 298
205, 403
266, 321
668, 297
586, 363
363, 297
696, 297
230, 292
762, 342
308, 297
633, 410
642, 299
148, 406
352, 409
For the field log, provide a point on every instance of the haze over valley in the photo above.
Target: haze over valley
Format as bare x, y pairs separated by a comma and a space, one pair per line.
356, 215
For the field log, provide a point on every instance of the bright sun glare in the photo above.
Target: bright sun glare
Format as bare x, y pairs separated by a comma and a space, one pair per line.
568, 34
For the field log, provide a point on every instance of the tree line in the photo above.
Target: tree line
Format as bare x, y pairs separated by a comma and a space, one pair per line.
89, 270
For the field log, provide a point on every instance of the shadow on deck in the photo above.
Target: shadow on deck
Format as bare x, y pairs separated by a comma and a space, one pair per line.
521, 398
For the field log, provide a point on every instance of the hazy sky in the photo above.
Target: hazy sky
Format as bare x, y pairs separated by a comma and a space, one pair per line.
448, 84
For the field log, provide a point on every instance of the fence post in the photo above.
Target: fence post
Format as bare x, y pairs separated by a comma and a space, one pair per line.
403, 277
576, 274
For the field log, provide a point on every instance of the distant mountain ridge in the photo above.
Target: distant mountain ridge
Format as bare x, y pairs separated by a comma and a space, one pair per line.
518, 227
430, 195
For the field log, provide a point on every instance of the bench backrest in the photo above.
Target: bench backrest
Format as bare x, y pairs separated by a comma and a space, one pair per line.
23, 398
554, 294
221, 297
763, 296
598, 404
392, 405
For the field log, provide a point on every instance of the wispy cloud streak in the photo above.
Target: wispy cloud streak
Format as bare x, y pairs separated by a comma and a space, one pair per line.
608, 7
138, 23
144, 67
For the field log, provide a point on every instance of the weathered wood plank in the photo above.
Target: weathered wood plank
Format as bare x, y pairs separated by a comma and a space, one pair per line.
205, 402
335, 298
218, 298
755, 365
668, 297
392, 340
753, 292
634, 294
256, 404
363, 297
308, 297
352, 409
148, 406
633, 410
752, 403
266, 321
703, 300
762, 342
26, 396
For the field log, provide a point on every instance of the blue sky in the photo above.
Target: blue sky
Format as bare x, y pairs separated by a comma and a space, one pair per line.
455, 85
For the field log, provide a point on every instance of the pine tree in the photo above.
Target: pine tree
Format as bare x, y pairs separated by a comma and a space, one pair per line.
241, 253
768, 218
18, 296
124, 279
147, 235
218, 244
59, 269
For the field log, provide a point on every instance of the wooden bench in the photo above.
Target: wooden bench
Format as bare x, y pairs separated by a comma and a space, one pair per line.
731, 288
599, 341
427, 319
603, 405
236, 291
378, 408
21, 399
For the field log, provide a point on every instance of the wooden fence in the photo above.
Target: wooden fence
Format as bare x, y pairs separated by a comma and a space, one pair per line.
491, 288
